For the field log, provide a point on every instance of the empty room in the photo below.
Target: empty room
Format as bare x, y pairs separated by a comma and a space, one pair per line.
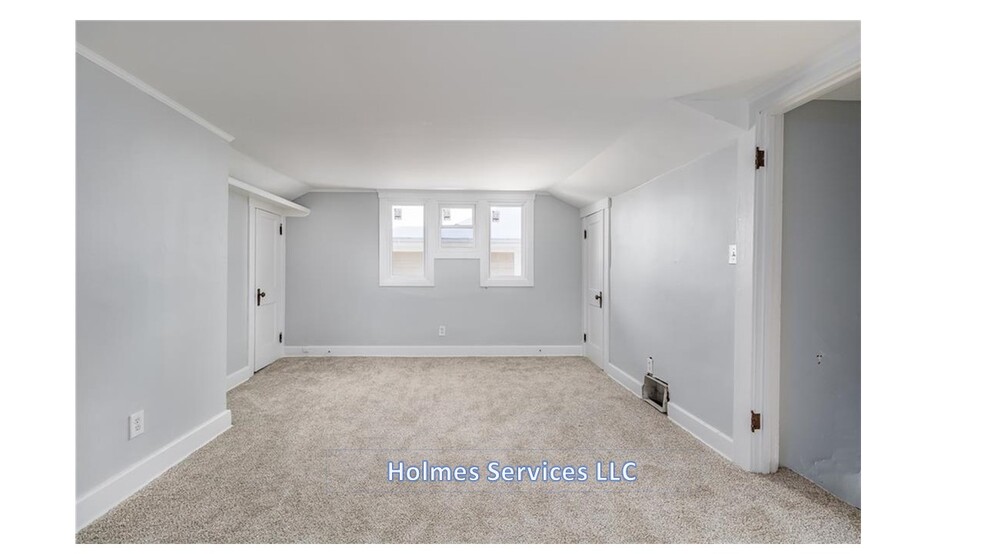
468, 281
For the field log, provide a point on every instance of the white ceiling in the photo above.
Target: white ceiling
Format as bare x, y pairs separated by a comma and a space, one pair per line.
579, 109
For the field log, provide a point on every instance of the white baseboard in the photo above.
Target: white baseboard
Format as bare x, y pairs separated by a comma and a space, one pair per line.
435, 351
718, 441
622, 378
237, 378
117, 489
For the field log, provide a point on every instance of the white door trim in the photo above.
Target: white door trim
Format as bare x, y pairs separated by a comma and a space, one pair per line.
759, 274
605, 205
258, 204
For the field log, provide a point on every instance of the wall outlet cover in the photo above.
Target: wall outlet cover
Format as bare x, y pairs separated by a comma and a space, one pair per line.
136, 424
441, 331
732, 253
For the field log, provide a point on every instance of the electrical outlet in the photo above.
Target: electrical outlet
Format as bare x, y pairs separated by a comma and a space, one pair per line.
441, 330
649, 366
732, 253
136, 424
819, 358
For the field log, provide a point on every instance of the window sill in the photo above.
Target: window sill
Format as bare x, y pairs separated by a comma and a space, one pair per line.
407, 283
519, 282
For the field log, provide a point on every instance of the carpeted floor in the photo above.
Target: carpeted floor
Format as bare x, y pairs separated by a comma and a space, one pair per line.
306, 461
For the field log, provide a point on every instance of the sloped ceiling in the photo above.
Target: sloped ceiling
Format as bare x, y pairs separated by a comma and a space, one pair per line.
580, 109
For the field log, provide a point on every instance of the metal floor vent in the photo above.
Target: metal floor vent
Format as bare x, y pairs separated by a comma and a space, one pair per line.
656, 393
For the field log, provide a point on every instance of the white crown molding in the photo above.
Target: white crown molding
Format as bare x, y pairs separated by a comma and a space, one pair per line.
118, 488
433, 351
826, 72
441, 193
455, 195
279, 205
596, 206
149, 90
344, 189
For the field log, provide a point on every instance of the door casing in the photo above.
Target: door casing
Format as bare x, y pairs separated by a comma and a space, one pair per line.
758, 285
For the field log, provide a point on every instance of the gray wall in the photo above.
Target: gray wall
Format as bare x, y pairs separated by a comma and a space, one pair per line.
821, 297
151, 274
237, 352
673, 290
335, 298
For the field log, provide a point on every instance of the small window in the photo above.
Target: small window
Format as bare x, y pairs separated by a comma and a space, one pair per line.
405, 257
506, 242
457, 227
408, 241
508, 260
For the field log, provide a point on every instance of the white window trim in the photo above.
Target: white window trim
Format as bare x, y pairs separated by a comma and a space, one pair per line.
467, 253
524, 201
386, 277
432, 200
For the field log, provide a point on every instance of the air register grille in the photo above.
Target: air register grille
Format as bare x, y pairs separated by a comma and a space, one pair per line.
656, 393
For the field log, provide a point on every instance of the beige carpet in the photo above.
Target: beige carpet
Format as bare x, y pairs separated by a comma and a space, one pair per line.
305, 461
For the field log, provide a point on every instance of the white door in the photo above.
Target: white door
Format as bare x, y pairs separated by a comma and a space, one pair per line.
268, 293
594, 284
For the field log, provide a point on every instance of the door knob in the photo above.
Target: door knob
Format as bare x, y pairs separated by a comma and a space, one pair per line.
259, 294
598, 298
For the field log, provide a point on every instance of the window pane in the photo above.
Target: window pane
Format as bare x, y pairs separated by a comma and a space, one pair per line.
506, 242
408, 241
457, 227
452, 237
451, 217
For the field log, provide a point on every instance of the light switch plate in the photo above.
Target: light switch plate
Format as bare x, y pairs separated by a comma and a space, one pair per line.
732, 253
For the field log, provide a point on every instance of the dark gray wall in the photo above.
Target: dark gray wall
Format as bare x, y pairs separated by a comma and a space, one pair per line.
151, 274
237, 353
821, 296
673, 290
335, 298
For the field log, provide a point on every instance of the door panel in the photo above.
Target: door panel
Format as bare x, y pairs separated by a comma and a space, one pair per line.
268, 293
594, 283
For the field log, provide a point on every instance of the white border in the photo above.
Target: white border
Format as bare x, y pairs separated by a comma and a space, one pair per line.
622, 378
704, 432
106, 496
150, 91
434, 351
238, 377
